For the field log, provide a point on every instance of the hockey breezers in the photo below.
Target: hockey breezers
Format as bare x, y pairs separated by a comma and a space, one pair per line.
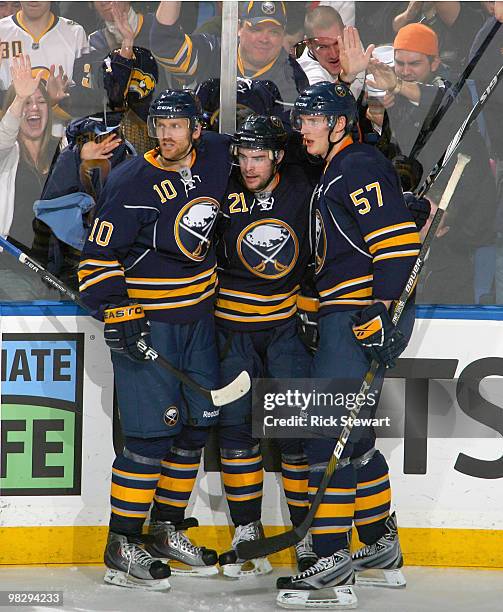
231, 392
268, 546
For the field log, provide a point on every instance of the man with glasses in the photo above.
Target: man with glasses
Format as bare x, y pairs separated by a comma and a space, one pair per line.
332, 53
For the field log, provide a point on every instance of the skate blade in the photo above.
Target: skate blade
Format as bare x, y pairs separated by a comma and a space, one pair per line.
335, 598
391, 579
248, 569
118, 578
202, 571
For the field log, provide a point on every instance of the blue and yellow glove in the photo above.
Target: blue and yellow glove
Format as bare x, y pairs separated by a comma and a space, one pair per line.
124, 326
375, 332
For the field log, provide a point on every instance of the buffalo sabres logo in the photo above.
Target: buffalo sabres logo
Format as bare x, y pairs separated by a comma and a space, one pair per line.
320, 242
268, 8
268, 248
193, 226
171, 416
141, 83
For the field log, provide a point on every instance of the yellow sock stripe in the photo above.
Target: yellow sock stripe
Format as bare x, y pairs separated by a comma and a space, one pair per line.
180, 485
137, 496
373, 501
243, 480
297, 486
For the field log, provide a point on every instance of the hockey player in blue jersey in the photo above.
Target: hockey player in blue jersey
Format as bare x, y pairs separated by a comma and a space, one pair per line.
262, 256
148, 270
366, 245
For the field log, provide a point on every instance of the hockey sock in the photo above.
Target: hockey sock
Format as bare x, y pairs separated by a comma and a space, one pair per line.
132, 491
243, 478
178, 475
333, 519
373, 498
295, 474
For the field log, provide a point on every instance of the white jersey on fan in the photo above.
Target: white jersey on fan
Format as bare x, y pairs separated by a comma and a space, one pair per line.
61, 43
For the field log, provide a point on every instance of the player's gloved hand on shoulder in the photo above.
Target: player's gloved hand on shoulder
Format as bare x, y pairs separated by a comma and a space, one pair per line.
124, 326
375, 331
419, 208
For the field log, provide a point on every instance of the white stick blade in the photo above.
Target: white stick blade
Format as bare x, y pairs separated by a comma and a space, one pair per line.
233, 391
454, 180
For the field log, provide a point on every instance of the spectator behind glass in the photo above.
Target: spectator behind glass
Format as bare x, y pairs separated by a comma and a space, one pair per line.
9, 8
332, 52
414, 89
189, 60
47, 38
26, 151
124, 28
455, 23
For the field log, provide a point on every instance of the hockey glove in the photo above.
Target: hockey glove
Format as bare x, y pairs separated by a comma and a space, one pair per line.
419, 208
374, 330
124, 326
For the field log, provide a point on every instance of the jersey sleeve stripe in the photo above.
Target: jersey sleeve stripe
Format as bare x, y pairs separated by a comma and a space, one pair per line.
100, 278
393, 254
389, 229
411, 238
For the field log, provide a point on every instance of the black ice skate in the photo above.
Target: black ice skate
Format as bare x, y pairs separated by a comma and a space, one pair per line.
379, 564
305, 554
326, 584
170, 542
129, 565
233, 567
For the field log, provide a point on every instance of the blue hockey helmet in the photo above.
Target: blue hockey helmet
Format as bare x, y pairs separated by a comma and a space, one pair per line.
331, 100
172, 104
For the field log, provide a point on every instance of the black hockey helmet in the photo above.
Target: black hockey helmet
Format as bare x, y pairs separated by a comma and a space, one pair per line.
331, 100
260, 132
93, 127
172, 104
142, 82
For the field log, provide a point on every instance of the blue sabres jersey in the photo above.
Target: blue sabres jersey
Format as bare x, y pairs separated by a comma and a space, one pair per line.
263, 252
366, 241
151, 242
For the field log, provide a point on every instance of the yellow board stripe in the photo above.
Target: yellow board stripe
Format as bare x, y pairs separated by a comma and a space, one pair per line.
52, 544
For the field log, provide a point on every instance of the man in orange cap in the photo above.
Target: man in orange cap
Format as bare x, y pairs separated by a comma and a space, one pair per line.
414, 89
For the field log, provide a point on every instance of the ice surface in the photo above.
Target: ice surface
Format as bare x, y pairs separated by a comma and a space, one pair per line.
428, 589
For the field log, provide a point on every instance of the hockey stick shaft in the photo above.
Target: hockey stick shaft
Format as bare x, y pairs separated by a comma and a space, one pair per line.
430, 124
231, 392
458, 137
260, 548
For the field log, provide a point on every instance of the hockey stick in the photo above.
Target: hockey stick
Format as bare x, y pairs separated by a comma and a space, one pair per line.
231, 392
431, 122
